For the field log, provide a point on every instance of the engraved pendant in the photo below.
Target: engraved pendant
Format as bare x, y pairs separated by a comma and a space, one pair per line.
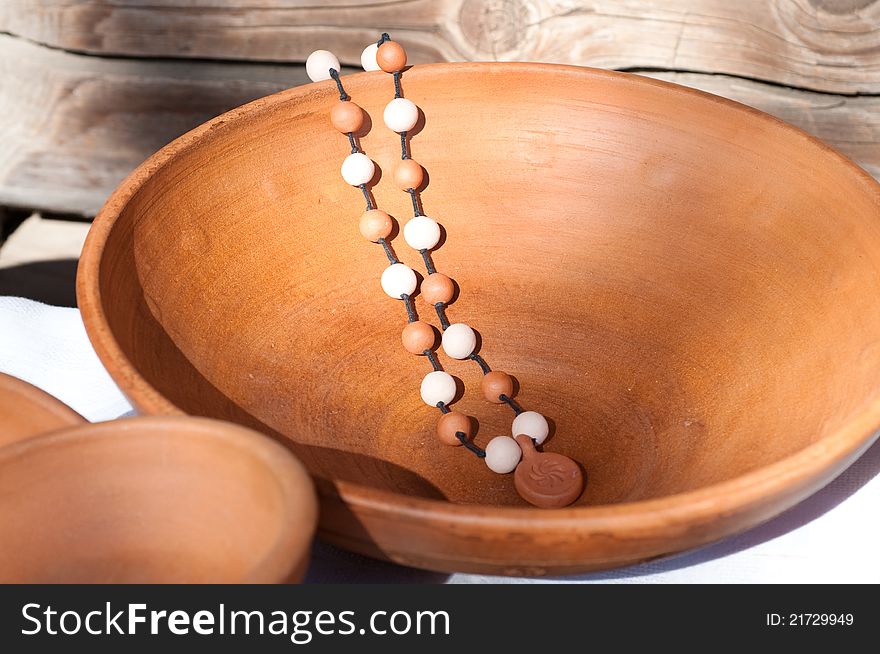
546, 479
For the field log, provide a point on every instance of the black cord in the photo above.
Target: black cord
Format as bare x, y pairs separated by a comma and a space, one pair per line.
462, 437
415, 201
473, 356
410, 309
342, 94
363, 188
388, 251
434, 363
429, 265
441, 315
513, 405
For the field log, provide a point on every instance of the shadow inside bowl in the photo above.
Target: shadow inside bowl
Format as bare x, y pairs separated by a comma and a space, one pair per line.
194, 394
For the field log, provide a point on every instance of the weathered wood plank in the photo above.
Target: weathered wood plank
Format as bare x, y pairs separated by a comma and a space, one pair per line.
73, 126
850, 124
828, 45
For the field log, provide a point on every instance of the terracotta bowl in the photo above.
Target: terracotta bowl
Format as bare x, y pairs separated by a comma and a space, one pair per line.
686, 286
153, 500
26, 411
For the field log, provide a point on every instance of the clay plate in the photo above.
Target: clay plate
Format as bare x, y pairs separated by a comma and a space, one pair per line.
687, 287
153, 500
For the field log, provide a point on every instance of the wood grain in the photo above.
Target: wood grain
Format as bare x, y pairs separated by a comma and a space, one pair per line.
828, 45
693, 284
849, 123
76, 125
73, 126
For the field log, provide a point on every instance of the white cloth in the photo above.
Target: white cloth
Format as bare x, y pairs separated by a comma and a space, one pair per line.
831, 537
48, 347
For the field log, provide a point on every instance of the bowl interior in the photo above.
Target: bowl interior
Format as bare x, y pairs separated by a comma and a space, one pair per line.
685, 287
145, 500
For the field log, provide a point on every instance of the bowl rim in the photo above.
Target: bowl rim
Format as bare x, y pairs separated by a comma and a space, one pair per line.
292, 543
640, 517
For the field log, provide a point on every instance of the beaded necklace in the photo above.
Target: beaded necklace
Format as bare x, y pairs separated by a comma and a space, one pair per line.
545, 479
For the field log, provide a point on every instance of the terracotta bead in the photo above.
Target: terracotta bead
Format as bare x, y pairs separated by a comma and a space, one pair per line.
495, 384
391, 57
347, 117
450, 423
376, 224
417, 337
437, 287
408, 174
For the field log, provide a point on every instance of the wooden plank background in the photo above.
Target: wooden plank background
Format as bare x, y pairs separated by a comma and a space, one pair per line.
91, 88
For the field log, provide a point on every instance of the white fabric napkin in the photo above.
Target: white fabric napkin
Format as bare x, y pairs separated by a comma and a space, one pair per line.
48, 347
833, 536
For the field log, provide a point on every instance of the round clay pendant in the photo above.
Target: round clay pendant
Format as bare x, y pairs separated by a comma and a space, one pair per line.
546, 479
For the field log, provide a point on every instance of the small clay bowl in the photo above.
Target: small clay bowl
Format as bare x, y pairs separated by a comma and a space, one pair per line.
26, 411
153, 500
686, 286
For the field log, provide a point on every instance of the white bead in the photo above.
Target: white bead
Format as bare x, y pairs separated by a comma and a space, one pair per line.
438, 386
358, 169
421, 233
368, 57
398, 279
319, 63
532, 424
401, 115
503, 454
459, 341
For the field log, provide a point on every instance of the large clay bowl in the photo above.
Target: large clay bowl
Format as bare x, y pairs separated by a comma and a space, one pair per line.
686, 286
26, 411
153, 500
